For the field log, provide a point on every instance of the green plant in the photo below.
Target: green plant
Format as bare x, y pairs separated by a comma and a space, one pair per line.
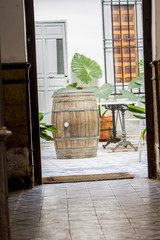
86, 70
136, 83
71, 86
141, 114
103, 92
45, 128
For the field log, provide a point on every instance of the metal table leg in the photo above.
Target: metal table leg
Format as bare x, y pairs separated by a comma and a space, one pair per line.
124, 142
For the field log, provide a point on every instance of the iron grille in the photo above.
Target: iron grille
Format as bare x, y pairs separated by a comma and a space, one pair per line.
123, 41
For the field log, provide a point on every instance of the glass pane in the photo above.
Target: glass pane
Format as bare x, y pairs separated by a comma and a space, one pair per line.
60, 57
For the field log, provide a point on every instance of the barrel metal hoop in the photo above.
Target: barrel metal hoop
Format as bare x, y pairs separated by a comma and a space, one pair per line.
75, 149
76, 154
74, 94
76, 138
74, 110
74, 100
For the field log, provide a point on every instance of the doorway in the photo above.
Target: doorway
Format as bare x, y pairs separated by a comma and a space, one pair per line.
147, 53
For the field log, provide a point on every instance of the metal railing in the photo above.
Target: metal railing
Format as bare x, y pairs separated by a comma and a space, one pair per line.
120, 44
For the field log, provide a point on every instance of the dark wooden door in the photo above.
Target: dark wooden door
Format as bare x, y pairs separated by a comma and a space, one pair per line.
4, 216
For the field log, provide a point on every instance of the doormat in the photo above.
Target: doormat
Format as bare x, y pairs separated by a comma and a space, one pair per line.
86, 178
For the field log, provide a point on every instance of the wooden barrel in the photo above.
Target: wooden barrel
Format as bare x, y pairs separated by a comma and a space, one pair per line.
75, 115
106, 123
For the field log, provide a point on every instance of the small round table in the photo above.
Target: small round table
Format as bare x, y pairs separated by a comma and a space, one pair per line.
118, 106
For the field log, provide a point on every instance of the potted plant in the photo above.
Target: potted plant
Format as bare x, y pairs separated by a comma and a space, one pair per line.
106, 120
138, 110
86, 70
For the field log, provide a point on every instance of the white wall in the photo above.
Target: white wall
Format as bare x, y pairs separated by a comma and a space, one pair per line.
84, 25
153, 31
156, 29
12, 31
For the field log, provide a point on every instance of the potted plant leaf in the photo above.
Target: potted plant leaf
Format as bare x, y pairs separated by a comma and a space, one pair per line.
45, 128
86, 70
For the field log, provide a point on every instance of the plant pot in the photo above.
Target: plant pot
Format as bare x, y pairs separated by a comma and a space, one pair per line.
106, 124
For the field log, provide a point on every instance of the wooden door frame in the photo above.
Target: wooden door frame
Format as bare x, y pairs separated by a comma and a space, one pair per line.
147, 36
147, 43
4, 212
31, 52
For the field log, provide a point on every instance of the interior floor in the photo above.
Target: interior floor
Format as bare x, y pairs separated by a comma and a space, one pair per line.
96, 210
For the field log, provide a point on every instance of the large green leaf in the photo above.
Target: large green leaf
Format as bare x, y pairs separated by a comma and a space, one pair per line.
128, 95
136, 109
40, 116
71, 86
74, 85
102, 115
45, 128
52, 129
104, 91
140, 117
45, 136
67, 89
42, 127
142, 99
143, 133
136, 83
141, 67
85, 69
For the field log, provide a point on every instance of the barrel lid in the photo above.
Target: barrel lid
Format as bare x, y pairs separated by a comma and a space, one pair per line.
74, 92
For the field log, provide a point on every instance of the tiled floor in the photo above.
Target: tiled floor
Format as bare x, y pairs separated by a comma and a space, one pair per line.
101, 210
123, 160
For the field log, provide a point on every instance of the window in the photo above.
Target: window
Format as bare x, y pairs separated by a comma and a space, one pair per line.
123, 41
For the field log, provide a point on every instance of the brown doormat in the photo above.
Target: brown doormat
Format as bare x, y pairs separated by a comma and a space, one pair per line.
86, 178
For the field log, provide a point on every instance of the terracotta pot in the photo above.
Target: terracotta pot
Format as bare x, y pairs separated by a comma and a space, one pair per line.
106, 124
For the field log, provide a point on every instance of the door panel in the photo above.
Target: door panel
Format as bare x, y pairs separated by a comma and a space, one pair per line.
41, 83
48, 97
42, 99
56, 83
51, 63
53, 30
51, 59
40, 59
